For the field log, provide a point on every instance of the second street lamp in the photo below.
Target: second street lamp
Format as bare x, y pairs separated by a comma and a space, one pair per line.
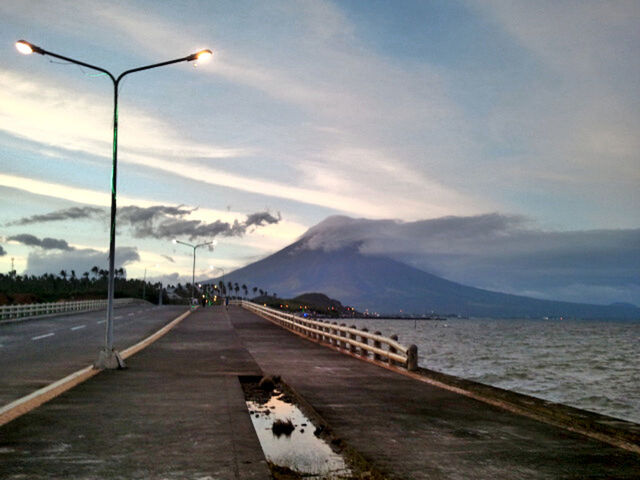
193, 272
108, 357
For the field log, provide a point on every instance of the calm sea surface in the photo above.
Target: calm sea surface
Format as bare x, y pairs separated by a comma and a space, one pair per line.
594, 365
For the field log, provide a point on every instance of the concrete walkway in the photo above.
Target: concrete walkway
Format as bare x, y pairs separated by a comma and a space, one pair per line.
178, 412
411, 430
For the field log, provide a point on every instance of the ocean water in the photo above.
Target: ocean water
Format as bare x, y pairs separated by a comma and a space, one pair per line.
593, 365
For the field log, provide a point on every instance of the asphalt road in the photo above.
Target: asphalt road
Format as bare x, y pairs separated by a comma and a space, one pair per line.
37, 352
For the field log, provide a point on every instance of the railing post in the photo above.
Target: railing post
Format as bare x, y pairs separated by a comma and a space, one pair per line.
412, 358
363, 351
393, 349
334, 331
343, 343
377, 344
352, 336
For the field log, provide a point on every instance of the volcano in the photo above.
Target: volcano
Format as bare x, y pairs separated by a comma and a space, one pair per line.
386, 286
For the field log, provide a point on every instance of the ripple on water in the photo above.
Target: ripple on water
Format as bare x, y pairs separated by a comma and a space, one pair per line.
586, 364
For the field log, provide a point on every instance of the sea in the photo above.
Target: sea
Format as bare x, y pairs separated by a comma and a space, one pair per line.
593, 365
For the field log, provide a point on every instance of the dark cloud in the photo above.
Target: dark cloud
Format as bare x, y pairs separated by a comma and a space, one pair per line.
39, 262
72, 213
46, 243
158, 221
142, 221
261, 218
500, 252
2, 251
169, 258
164, 222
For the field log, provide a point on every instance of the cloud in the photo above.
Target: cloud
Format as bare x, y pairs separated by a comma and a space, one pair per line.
142, 220
83, 260
164, 222
46, 243
499, 252
3, 252
261, 218
72, 213
168, 258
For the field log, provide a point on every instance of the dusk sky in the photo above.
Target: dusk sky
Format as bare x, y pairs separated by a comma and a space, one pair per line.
400, 110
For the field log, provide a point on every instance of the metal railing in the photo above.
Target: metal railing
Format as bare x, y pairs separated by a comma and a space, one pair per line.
12, 312
356, 341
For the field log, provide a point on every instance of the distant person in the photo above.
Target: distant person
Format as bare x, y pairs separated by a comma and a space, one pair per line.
226, 302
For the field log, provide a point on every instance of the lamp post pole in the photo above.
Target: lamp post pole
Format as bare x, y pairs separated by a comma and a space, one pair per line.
144, 285
108, 357
193, 272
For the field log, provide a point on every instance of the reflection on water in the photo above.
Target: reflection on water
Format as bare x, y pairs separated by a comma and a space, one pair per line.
301, 450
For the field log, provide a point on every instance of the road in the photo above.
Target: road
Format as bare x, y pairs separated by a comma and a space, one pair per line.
37, 352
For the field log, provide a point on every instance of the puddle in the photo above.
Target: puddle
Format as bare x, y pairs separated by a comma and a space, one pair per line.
300, 449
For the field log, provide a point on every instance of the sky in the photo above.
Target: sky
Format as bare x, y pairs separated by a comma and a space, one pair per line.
403, 111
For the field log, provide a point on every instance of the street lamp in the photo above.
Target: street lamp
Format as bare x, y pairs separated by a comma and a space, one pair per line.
195, 247
108, 357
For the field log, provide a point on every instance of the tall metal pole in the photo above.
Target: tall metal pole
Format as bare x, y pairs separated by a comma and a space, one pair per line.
193, 273
110, 358
144, 285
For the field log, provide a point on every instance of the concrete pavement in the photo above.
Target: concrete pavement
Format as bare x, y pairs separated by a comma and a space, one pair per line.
411, 430
179, 412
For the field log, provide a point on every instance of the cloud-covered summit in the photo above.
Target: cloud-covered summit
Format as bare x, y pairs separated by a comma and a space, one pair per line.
499, 252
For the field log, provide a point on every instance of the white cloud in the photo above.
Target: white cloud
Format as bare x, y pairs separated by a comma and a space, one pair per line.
39, 262
57, 117
577, 116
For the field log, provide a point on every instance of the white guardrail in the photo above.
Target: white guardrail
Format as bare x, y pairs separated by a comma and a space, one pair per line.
350, 339
12, 312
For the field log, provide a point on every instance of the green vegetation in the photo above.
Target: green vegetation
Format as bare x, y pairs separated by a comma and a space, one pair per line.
67, 286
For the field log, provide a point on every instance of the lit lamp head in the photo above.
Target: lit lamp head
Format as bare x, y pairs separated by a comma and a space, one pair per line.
27, 48
174, 241
204, 55
201, 56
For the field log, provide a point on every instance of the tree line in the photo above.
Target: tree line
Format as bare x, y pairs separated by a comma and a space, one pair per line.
67, 285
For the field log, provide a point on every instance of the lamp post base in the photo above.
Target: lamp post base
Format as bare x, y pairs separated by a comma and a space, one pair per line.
109, 360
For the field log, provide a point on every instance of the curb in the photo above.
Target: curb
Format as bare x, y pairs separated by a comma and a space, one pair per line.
29, 402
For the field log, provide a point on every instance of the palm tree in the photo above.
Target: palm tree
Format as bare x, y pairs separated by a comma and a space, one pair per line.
95, 270
63, 274
246, 290
255, 289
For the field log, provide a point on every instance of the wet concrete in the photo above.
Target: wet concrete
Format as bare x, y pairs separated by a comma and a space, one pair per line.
178, 412
291, 440
412, 430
